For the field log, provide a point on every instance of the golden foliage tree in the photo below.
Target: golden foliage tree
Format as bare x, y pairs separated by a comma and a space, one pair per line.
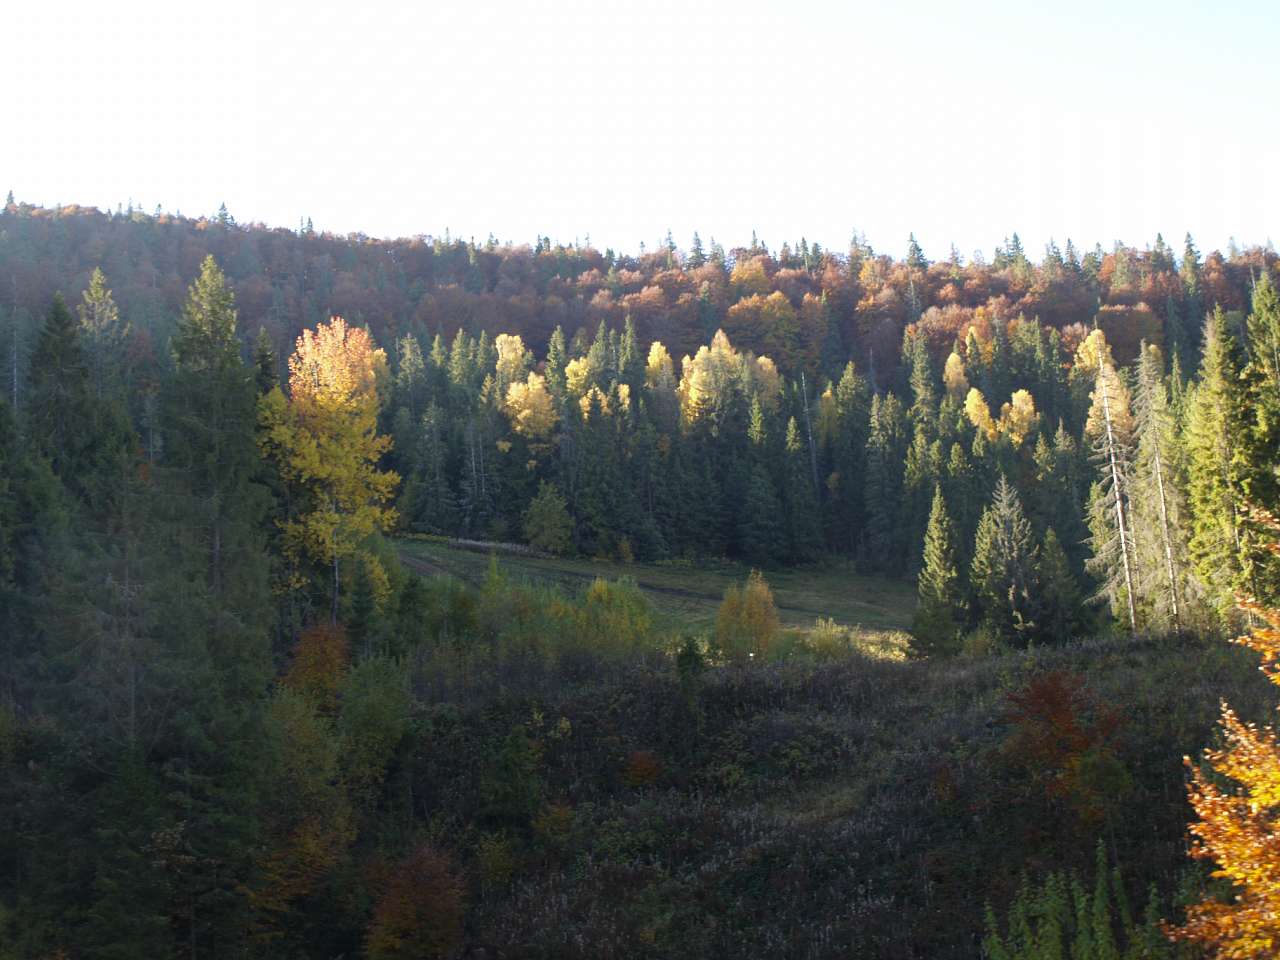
326, 443
1239, 829
747, 621
954, 378
531, 407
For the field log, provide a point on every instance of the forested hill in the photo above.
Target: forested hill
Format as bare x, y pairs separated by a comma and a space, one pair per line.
807, 308
234, 724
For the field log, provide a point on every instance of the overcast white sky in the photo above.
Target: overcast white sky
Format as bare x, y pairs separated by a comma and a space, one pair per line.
1099, 121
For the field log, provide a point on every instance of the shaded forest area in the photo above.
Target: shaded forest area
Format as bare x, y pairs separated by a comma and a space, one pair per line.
232, 723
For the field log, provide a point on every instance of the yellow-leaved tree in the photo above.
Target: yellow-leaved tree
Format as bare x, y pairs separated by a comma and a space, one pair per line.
325, 441
1239, 828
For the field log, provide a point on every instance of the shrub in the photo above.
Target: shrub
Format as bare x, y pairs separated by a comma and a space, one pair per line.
827, 640
420, 913
643, 768
547, 524
321, 658
510, 788
495, 861
747, 621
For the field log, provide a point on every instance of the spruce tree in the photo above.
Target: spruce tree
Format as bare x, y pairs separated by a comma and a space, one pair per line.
212, 467
1003, 572
59, 404
1061, 606
885, 459
1163, 574
86, 441
557, 358
265, 372
761, 536
851, 401
104, 336
940, 611
1259, 453
804, 531
1214, 433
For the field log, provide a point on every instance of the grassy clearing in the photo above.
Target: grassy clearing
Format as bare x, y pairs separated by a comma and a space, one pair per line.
687, 595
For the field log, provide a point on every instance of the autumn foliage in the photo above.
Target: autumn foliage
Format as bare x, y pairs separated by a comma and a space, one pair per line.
747, 621
1061, 737
1239, 827
419, 915
321, 660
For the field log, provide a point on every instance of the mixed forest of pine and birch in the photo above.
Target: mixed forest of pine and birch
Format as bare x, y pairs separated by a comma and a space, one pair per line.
237, 721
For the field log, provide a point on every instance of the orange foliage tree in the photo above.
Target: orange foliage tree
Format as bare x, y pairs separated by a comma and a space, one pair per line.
1061, 737
321, 659
1239, 829
419, 914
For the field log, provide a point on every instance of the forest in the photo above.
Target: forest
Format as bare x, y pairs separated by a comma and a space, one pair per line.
241, 716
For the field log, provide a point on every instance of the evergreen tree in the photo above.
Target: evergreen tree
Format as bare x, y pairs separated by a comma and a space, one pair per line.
212, 461
847, 442
428, 503
557, 358
59, 401
85, 441
1061, 605
804, 532
1003, 572
547, 524
1110, 424
760, 532
1259, 453
924, 392
105, 335
1163, 574
696, 255
1215, 426
915, 256
940, 612
265, 372
885, 459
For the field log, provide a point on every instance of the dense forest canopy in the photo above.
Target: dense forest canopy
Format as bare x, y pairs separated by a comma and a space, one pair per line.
235, 722
835, 304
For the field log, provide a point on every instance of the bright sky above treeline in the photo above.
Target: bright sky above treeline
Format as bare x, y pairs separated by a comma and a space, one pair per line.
961, 123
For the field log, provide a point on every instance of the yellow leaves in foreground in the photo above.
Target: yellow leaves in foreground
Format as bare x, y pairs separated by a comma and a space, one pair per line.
1238, 828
